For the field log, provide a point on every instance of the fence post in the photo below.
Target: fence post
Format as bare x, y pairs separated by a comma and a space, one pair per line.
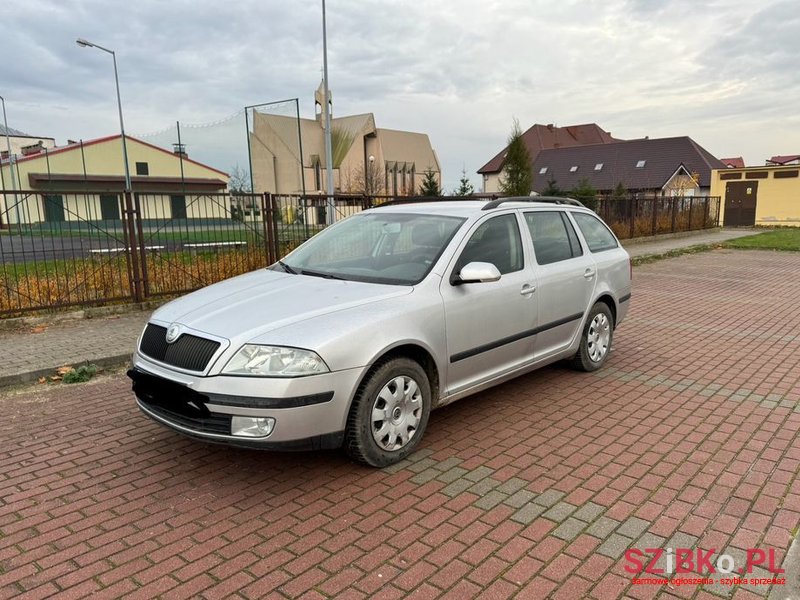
691, 209
266, 219
632, 207
655, 216
131, 250
674, 213
138, 218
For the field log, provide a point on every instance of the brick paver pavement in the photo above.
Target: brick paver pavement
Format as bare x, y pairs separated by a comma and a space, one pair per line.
688, 438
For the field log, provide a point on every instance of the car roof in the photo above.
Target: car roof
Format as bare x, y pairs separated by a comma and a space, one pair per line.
471, 208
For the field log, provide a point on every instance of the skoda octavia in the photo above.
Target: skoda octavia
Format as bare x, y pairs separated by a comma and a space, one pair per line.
354, 337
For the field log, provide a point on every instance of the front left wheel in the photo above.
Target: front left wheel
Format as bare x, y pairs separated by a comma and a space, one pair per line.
389, 413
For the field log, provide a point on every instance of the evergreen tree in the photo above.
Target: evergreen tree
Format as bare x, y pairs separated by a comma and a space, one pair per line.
585, 193
619, 193
430, 187
552, 189
517, 178
465, 187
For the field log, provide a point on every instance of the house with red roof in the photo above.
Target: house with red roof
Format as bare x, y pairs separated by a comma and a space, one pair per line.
735, 162
544, 137
789, 159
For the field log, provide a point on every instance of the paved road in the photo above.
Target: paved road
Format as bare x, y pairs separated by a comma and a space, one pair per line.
688, 438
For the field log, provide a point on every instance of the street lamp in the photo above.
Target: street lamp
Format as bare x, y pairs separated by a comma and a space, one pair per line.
330, 214
86, 44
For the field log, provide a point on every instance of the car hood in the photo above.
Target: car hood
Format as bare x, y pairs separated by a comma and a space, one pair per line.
250, 305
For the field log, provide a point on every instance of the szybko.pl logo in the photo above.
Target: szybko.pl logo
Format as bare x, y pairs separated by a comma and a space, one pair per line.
688, 560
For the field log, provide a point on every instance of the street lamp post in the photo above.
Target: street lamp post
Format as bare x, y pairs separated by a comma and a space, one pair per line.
10, 159
331, 212
86, 44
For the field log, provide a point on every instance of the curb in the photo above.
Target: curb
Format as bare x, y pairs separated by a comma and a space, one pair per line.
106, 362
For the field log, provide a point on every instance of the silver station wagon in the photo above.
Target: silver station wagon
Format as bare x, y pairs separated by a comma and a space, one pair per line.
354, 337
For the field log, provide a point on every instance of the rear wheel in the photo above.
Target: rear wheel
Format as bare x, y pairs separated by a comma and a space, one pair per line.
389, 413
595, 339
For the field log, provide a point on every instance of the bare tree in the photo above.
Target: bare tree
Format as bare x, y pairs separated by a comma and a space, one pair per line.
239, 181
365, 179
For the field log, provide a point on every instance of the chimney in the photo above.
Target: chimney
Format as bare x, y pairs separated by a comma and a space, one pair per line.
180, 150
550, 126
32, 149
71, 142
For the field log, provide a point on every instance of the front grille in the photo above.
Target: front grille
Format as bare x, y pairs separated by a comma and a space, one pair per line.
187, 352
178, 404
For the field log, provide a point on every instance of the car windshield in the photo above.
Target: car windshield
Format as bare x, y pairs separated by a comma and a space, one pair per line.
375, 247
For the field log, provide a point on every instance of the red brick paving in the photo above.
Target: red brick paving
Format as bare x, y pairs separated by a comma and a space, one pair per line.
692, 427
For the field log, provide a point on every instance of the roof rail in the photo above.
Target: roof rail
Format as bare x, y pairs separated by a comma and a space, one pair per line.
418, 199
549, 199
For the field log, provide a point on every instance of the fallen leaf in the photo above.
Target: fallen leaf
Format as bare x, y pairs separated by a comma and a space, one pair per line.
39, 329
55, 378
64, 370
42, 380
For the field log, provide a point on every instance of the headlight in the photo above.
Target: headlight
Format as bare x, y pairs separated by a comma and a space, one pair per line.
274, 361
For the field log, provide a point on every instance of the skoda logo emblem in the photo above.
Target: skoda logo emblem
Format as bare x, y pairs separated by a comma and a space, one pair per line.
173, 333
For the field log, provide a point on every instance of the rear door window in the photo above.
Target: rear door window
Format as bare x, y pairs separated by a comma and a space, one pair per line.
554, 238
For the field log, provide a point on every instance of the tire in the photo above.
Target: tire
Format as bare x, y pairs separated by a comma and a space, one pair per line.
596, 338
399, 390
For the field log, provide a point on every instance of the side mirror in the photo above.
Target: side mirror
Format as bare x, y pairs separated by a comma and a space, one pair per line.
477, 272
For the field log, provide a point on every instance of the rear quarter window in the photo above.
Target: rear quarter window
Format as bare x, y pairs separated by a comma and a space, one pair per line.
598, 236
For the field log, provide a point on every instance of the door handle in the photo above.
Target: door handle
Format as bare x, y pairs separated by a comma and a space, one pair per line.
527, 290
589, 273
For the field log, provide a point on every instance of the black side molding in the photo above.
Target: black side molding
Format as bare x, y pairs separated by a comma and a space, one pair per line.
513, 338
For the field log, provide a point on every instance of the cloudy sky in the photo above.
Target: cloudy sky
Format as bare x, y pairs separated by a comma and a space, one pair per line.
724, 72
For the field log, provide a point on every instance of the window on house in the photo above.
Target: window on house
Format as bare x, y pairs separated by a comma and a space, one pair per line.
598, 167
641, 164
573, 168
543, 170
317, 175
178, 206
142, 168
53, 208
109, 207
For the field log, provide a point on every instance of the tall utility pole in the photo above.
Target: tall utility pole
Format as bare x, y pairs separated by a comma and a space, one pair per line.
330, 214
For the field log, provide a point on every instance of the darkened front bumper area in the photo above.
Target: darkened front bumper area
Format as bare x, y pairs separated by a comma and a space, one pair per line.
185, 410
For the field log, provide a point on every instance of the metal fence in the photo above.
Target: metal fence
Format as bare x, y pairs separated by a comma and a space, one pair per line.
634, 217
79, 248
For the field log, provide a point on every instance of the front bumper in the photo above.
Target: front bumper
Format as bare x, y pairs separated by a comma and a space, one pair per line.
309, 412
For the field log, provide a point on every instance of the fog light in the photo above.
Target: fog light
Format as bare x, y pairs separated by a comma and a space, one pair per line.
252, 427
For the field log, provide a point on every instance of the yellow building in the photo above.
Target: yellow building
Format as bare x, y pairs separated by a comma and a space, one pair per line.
84, 181
758, 195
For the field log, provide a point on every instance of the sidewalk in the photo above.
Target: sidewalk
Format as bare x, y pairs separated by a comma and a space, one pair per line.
29, 353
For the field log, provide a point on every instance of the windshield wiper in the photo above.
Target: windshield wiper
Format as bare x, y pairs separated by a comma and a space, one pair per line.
323, 275
287, 268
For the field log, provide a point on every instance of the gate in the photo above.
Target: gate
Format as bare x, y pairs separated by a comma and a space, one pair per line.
740, 203
57, 251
